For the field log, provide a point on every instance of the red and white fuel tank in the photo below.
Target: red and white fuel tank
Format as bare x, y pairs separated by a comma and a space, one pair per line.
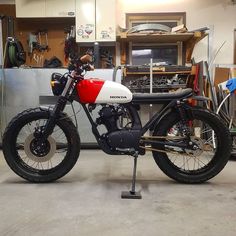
103, 91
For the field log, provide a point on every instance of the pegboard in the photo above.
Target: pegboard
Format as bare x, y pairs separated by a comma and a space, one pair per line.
55, 30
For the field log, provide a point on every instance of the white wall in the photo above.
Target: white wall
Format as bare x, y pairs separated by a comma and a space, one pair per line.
199, 13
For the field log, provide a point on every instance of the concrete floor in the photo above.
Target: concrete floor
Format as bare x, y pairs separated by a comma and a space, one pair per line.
87, 202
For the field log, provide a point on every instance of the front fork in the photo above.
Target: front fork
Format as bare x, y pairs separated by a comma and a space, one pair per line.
58, 108
50, 124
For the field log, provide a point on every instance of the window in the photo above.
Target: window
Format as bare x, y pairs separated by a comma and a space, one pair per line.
166, 53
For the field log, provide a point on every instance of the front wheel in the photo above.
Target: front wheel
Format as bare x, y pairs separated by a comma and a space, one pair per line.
211, 137
40, 161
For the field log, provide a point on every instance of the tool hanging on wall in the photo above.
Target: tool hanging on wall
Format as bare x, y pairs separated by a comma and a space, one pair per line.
38, 41
71, 47
38, 44
106, 59
42, 40
32, 41
15, 54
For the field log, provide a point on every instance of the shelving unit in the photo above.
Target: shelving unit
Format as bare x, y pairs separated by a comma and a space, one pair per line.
161, 81
189, 41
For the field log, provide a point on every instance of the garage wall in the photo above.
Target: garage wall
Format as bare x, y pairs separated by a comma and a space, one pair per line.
201, 13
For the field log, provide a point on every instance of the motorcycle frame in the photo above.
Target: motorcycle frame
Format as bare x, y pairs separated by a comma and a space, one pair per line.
149, 125
68, 94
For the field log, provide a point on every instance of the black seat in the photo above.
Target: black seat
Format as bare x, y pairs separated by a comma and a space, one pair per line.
155, 98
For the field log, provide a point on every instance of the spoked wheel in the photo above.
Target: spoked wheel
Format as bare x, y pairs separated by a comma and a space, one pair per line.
36, 160
211, 147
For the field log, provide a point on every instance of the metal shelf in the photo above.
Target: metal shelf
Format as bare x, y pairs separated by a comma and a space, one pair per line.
172, 86
158, 73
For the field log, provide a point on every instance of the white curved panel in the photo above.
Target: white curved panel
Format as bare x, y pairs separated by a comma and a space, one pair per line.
112, 92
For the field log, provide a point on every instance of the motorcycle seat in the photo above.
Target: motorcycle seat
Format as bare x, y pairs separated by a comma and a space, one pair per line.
155, 98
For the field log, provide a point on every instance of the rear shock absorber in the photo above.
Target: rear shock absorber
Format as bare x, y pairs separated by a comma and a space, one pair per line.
185, 128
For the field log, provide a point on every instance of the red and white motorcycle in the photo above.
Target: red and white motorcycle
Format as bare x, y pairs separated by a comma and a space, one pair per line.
189, 144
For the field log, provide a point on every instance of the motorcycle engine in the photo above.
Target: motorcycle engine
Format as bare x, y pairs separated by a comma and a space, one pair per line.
118, 123
109, 116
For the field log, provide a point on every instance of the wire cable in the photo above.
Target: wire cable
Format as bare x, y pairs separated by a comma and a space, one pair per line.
73, 109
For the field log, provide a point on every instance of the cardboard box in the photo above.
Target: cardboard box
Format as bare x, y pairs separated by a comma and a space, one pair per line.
233, 73
221, 75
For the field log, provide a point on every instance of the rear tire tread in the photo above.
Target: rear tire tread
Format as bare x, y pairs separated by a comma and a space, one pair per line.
223, 154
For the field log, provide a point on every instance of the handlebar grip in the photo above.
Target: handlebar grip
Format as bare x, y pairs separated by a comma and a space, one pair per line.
88, 67
86, 59
91, 68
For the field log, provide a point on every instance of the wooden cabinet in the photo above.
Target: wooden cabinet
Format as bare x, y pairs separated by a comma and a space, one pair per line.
95, 20
105, 20
45, 8
60, 8
85, 21
30, 8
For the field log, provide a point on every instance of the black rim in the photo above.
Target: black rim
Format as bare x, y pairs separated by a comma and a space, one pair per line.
43, 165
193, 163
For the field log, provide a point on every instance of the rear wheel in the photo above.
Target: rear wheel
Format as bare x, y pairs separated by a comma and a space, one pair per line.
211, 137
40, 161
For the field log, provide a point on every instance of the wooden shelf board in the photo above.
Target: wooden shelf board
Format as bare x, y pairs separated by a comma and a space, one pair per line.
157, 38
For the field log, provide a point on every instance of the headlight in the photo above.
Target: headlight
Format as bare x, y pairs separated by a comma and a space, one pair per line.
58, 82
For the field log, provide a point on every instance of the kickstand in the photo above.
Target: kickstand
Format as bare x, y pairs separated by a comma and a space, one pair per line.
132, 194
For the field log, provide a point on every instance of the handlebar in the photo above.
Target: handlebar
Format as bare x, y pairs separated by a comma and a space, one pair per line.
88, 67
86, 59
81, 64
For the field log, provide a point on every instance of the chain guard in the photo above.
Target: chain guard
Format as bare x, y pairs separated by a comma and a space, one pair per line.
185, 152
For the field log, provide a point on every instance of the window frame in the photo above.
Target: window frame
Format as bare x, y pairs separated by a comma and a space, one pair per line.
179, 17
179, 48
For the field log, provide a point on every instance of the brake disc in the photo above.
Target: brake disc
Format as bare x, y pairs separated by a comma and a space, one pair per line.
32, 156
